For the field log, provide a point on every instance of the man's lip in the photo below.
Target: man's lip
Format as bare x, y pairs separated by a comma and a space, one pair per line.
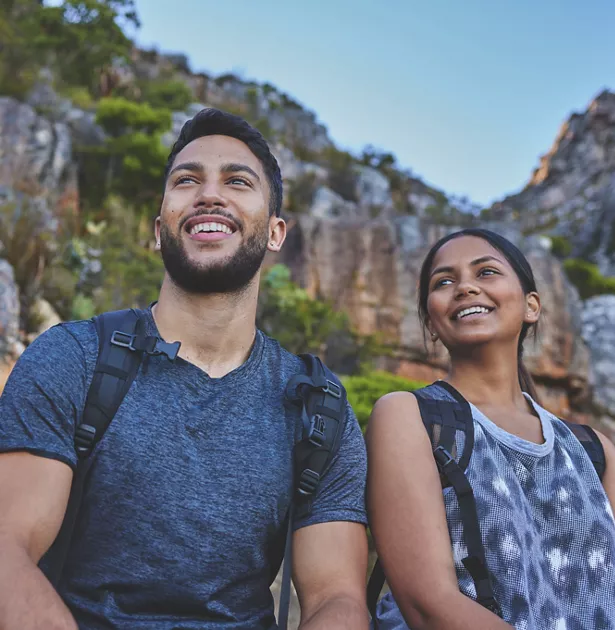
209, 218
463, 308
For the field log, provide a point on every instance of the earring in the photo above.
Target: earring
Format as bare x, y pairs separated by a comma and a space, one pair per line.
434, 336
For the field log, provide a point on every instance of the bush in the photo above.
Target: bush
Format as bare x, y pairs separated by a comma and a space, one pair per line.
287, 313
587, 278
342, 175
365, 389
560, 246
171, 95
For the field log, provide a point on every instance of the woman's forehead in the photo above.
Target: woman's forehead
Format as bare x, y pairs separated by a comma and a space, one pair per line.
465, 249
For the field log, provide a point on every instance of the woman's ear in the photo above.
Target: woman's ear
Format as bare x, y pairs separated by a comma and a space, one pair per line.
532, 308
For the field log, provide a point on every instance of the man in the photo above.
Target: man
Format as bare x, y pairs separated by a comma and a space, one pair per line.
182, 519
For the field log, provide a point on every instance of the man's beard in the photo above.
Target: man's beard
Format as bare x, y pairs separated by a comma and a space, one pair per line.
229, 275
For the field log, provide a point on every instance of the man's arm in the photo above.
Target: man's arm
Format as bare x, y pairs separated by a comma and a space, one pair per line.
329, 571
33, 497
408, 521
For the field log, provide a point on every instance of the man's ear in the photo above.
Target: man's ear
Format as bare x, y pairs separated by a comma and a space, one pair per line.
157, 232
277, 233
533, 308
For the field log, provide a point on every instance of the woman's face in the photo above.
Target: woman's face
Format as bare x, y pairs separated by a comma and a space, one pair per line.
475, 295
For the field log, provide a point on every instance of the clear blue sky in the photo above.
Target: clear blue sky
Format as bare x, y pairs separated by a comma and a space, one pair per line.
466, 93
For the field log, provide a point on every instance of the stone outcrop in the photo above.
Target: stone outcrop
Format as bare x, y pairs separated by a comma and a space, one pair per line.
36, 161
572, 192
371, 270
599, 334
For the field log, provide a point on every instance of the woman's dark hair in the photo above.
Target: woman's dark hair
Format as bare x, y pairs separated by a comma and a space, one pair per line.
522, 269
212, 122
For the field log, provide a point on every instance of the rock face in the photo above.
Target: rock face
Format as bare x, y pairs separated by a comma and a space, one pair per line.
572, 192
599, 334
371, 270
36, 161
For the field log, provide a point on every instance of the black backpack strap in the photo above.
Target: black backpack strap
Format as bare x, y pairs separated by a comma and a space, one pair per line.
592, 445
122, 342
443, 419
322, 400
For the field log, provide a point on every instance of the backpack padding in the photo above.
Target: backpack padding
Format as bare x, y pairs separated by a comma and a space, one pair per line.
442, 420
116, 369
323, 413
592, 445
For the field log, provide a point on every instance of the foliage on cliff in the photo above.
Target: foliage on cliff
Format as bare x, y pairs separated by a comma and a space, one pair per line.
75, 39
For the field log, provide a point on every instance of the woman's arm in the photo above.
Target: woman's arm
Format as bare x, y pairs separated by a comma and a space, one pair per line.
408, 521
608, 481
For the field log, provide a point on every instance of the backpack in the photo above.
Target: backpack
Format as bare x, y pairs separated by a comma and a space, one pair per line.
122, 347
443, 419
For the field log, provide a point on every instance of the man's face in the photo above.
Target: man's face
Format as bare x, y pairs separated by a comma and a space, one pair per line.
214, 226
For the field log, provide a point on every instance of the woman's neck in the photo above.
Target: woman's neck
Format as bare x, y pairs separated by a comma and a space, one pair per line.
488, 376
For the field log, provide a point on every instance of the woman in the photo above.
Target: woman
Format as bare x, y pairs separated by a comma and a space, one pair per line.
546, 520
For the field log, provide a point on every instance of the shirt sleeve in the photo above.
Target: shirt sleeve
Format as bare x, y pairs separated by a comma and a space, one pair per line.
44, 397
341, 493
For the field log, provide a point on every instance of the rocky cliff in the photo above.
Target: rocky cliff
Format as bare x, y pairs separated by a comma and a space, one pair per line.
572, 192
359, 226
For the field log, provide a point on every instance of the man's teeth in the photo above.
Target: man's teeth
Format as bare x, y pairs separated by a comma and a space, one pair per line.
211, 227
472, 309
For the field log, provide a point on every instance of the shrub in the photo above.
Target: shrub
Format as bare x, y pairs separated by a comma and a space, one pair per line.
342, 175
287, 313
171, 95
586, 277
560, 246
365, 389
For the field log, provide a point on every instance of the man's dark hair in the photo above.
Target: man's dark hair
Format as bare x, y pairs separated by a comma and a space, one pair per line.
212, 122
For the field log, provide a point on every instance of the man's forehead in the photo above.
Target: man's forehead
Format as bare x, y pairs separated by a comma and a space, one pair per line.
215, 150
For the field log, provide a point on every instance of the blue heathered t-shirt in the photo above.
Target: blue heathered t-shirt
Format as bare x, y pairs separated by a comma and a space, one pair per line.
182, 520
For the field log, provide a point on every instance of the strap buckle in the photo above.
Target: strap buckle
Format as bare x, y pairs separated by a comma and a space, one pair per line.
333, 389
316, 436
85, 436
123, 340
308, 482
443, 457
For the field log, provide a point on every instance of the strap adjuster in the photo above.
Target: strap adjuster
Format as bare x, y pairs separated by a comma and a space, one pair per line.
332, 388
317, 431
308, 482
443, 457
123, 340
85, 436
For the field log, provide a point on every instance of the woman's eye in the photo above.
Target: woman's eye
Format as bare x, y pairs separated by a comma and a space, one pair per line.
487, 271
442, 282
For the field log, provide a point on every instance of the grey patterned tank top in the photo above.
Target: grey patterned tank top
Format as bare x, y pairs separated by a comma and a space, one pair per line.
547, 527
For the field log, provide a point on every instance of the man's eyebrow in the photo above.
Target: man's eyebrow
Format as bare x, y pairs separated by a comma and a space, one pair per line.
195, 167
477, 261
234, 167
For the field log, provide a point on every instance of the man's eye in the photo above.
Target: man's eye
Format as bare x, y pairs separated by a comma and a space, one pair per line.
239, 180
184, 179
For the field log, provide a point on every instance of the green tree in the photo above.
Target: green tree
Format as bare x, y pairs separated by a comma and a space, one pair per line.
299, 322
132, 161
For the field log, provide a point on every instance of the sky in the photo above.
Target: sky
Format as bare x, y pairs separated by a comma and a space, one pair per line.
467, 94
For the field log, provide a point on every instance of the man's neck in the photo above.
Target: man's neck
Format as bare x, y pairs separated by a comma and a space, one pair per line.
216, 331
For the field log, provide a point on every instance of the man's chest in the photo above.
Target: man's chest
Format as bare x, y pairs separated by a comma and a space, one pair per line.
208, 460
